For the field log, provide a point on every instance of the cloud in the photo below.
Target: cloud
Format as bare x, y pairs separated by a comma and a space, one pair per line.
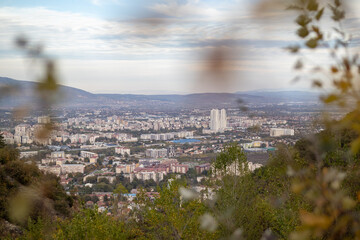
73, 35
189, 8
150, 55
104, 2
147, 56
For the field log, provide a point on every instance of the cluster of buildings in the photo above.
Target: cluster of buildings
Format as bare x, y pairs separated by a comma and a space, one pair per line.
237, 169
71, 131
30, 134
60, 163
154, 169
26, 134
167, 136
143, 123
62, 136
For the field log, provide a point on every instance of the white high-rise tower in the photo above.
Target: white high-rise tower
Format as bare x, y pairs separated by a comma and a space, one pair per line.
223, 120
214, 120
218, 120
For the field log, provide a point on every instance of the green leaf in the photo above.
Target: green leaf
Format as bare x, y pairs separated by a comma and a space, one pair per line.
330, 98
303, 20
312, 5
303, 32
338, 15
319, 14
312, 43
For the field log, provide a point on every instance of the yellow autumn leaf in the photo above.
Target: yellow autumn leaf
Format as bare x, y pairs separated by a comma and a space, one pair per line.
315, 220
355, 146
297, 187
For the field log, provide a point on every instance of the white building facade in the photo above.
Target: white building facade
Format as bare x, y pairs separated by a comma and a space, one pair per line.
218, 120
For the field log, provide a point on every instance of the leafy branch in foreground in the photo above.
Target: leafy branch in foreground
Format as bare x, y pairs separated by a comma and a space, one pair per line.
334, 214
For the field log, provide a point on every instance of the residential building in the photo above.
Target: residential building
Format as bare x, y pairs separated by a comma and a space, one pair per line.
278, 132
156, 153
203, 167
72, 168
122, 151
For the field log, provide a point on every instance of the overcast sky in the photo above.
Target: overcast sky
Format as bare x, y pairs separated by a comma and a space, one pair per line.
151, 47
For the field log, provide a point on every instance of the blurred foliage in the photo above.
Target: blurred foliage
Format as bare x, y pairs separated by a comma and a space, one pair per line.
85, 224
47, 89
251, 203
231, 160
333, 154
27, 193
89, 224
293, 196
310, 191
171, 217
166, 217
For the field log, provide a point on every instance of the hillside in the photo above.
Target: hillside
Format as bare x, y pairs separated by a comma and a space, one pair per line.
18, 93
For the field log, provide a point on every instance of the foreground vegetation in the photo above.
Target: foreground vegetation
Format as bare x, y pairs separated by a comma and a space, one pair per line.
284, 199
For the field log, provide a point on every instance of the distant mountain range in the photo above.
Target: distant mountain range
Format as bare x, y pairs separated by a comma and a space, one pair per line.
17, 93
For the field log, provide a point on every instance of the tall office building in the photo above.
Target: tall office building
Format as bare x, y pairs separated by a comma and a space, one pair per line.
214, 120
218, 120
223, 120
